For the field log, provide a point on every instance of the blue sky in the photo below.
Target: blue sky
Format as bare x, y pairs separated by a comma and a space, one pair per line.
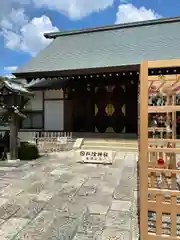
23, 22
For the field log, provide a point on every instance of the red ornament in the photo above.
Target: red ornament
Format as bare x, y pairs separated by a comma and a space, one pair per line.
160, 162
178, 164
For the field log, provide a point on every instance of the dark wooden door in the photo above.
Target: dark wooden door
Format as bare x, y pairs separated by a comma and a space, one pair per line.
110, 109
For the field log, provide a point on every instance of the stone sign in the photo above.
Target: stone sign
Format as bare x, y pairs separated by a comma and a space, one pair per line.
94, 156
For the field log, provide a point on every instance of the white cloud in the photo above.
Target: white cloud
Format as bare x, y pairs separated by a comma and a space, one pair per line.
129, 13
8, 5
21, 33
10, 69
24, 35
75, 9
32, 38
16, 19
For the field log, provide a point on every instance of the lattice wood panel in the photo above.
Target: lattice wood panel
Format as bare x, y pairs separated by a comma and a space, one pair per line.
159, 153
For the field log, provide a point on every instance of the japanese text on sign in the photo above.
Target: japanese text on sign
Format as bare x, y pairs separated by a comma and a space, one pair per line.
93, 155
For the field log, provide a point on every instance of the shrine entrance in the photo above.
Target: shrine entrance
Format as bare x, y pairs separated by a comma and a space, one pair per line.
159, 149
105, 104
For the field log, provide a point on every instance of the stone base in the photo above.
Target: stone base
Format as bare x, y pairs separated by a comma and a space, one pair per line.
95, 162
78, 143
13, 161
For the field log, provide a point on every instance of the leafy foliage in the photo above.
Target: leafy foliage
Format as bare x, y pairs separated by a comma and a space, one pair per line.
3, 78
28, 151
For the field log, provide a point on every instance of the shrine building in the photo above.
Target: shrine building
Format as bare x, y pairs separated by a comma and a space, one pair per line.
87, 80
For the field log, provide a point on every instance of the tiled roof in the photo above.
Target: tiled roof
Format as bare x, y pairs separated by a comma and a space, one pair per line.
45, 83
15, 87
126, 44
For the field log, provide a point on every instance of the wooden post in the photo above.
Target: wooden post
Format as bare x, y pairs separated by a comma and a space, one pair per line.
173, 155
168, 115
13, 137
143, 160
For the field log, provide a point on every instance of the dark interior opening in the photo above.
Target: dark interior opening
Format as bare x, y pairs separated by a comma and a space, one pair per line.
107, 103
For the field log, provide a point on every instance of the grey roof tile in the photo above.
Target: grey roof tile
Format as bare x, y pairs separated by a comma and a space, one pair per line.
16, 87
116, 47
45, 82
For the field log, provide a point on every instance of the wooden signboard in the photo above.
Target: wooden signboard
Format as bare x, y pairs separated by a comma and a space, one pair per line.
94, 156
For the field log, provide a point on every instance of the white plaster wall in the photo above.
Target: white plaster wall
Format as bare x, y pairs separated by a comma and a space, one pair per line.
26, 136
36, 102
53, 94
54, 115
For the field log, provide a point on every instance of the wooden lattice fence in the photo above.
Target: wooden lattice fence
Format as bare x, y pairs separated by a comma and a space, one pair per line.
159, 151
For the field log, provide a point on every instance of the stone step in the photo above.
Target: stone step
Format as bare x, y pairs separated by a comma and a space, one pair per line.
111, 143
110, 147
117, 136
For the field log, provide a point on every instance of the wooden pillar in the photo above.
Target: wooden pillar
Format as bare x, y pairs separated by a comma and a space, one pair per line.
173, 155
143, 156
13, 137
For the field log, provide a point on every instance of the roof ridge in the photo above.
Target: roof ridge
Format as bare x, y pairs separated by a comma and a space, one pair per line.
112, 27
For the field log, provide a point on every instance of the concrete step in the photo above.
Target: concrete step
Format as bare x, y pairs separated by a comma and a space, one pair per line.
117, 145
111, 147
92, 136
111, 143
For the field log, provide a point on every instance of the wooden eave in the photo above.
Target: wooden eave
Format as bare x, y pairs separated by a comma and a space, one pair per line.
75, 72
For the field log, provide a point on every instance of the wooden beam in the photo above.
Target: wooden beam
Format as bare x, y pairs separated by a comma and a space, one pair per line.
163, 170
163, 109
157, 191
163, 141
164, 63
152, 236
164, 150
171, 78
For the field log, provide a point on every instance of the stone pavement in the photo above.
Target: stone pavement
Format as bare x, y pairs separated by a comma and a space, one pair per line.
57, 198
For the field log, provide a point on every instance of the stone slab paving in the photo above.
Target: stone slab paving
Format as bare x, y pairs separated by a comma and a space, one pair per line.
57, 198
